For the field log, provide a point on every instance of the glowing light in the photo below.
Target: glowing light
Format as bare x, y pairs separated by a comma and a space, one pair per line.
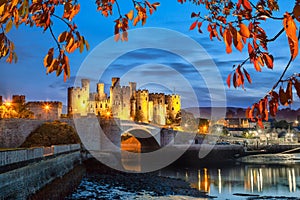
8, 103
47, 107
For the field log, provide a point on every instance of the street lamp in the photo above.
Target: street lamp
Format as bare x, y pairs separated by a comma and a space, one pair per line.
47, 108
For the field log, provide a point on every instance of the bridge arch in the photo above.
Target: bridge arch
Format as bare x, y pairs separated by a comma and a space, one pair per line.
141, 138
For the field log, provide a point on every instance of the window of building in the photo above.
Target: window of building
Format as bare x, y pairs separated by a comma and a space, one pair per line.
96, 105
172, 108
78, 96
101, 105
146, 99
124, 105
177, 102
140, 107
83, 102
106, 105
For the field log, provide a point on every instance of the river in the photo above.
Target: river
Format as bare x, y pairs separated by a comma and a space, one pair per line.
225, 181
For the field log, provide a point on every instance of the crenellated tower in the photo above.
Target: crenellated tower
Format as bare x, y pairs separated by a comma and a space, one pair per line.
142, 99
173, 106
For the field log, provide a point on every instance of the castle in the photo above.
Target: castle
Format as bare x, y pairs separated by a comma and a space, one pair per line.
124, 102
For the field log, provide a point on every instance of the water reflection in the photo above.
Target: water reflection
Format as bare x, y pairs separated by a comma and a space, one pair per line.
253, 179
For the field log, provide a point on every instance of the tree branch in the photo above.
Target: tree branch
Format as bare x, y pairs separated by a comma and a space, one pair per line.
118, 6
276, 36
58, 17
286, 68
51, 31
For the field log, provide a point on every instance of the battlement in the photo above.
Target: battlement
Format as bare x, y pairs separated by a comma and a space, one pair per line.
18, 99
142, 92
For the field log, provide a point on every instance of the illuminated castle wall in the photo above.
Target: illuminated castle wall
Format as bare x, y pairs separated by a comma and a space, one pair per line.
124, 102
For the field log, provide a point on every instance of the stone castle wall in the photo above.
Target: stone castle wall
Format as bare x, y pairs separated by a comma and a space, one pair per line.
13, 132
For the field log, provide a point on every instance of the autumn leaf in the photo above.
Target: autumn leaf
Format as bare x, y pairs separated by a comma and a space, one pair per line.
244, 31
296, 12
246, 4
268, 60
297, 87
228, 40
247, 75
8, 26
291, 32
63, 36
282, 97
194, 24
130, 15
228, 80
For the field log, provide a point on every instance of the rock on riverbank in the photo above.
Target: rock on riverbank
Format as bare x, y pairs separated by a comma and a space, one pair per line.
102, 182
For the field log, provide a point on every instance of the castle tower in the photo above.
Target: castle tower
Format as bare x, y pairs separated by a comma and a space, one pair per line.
70, 101
132, 86
142, 99
115, 81
100, 91
78, 99
85, 83
159, 108
173, 106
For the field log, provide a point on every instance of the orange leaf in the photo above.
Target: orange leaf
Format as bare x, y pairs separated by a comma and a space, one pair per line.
244, 30
228, 80
291, 32
247, 75
228, 40
193, 25
256, 65
268, 60
247, 5
130, 15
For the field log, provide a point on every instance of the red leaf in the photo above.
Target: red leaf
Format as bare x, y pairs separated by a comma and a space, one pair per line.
247, 5
228, 80
193, 25
247, 75
268, 60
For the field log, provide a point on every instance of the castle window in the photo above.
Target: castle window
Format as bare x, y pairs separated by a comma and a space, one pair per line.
117, 96
83, 102
106, 105
124, 105
146, 99
172, 108
78, 96
177, 102
140, 107
96, 106
101, 105
160, 101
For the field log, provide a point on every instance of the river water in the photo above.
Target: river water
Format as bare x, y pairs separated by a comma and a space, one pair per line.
225, 181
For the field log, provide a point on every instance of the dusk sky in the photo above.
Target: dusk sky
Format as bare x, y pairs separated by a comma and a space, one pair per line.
155, 69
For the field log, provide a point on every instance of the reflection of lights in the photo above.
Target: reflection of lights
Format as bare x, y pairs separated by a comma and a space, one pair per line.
220, 181
251, 180
292, 180
218, 129
185, 125
186, 176
199, 180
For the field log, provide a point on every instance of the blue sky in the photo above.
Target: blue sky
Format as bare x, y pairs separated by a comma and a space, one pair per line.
29, 77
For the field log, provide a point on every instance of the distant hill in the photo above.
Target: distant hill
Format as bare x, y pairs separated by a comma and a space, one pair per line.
219, 112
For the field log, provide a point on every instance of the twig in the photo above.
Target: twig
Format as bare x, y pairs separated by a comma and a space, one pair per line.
276, 36
51, 31
286, 68
119, 11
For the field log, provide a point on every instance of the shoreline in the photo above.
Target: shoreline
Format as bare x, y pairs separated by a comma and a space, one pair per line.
133, 183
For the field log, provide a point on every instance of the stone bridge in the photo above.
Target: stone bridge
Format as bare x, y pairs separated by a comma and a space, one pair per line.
107, 135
